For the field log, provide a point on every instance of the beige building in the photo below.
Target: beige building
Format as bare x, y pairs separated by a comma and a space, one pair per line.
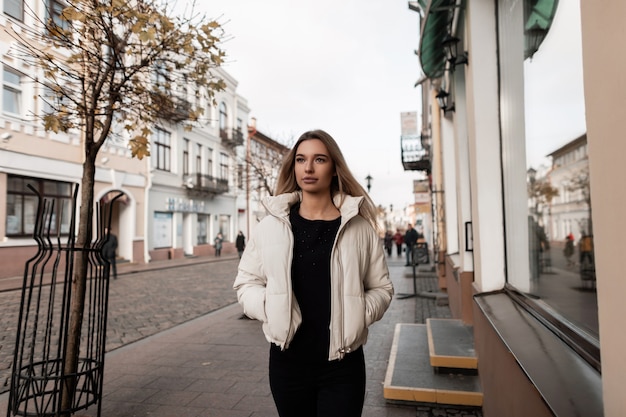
52, 164
492, 70
569, 211
172, 203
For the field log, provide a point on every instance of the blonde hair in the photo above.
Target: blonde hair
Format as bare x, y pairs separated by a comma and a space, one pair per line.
343, 182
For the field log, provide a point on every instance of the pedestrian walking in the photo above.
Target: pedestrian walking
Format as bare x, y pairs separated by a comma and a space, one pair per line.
315, 274
568, 250
585, 246
388, 242
398, 238
109, 251
240, 243
218, 241
410, 240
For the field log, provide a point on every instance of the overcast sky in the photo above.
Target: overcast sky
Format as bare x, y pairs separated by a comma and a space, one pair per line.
347, 67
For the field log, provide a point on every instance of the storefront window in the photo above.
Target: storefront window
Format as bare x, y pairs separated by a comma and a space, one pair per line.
22, 205
541, 76
203, 227
559, 201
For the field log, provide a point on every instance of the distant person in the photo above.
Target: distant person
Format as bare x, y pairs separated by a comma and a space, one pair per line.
585, 246
240, 243
109, 251
568, 250
219, 239
410, 240
388, 242
398, 238
315, 274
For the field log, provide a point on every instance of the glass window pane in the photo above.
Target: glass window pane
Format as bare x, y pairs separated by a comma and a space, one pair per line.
10, 100
66, 214
30, 212
11, 77
14, 8
16, 184
562, 271
203, 225
14, 214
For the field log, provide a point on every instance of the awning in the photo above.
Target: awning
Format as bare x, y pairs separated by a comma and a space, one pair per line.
538, 16
436, 21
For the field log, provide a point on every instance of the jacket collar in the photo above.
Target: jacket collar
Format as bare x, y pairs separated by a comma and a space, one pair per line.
279, 205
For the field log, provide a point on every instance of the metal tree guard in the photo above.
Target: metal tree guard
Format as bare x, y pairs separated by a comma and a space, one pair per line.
38, 378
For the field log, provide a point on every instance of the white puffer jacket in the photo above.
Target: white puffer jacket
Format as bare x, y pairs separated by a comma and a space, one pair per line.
360, 287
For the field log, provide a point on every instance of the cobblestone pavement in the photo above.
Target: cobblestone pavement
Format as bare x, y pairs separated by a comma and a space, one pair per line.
140, 304
146, 303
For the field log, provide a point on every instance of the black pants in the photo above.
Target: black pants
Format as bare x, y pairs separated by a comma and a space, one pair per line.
113, 263
331, 389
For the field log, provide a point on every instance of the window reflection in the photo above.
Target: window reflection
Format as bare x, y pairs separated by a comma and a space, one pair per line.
562, 268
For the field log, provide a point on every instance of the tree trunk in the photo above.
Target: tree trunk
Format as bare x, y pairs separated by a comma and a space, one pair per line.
77, 305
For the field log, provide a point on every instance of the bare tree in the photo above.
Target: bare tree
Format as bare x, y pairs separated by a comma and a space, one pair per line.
263, 163
125, 62
541, 193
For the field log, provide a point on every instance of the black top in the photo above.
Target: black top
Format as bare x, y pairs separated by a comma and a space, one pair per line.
310, 277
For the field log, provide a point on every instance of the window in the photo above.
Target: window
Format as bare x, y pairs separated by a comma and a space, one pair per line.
223, 166
223, 121
240, 171
14, 8
162, 140
203, 227
54, 10
209, 171
549, 93
160, 79
198, 159
48, 101
22, 205
12, 91
162, 230
224, 226
186, 157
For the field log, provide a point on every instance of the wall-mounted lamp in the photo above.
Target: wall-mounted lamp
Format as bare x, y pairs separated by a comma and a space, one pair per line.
369, 182
6, 136
534, 35
450, 45
443, 99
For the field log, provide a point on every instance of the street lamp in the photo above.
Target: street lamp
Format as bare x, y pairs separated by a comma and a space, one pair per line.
369, 182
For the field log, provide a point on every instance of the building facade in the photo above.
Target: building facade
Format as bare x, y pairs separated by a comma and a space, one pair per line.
51, 163
546, 344
193, 187
169, 205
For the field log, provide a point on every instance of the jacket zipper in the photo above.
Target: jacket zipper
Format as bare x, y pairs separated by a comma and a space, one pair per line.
289, 285
337, 277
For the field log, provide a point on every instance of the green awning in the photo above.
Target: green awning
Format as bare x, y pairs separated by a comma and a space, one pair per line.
435, 27
538, 16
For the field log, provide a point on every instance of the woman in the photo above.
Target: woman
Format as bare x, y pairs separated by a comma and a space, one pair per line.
314, 273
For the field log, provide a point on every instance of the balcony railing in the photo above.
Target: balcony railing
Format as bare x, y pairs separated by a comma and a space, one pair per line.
415, 153
231, 137
200, 184
171, 108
